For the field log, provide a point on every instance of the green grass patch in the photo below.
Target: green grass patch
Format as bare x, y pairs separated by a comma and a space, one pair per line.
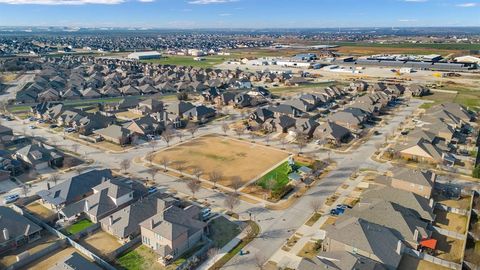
78, 226
222, 231
180, 60
279, 175
133, 260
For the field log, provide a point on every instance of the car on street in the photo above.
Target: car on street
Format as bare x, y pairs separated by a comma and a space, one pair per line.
11, 198
53, 126
151, 137
32, 127
152, 190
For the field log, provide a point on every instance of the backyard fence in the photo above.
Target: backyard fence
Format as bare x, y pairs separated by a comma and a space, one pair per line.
432, 259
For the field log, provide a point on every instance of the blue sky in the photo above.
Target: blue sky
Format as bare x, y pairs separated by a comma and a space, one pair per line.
239, 13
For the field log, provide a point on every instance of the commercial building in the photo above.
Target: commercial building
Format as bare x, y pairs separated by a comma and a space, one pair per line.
145, 55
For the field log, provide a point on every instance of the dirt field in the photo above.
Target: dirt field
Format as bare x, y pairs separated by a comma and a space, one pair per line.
229, 156
450, 221
41, 211
449, 249
10, 257
463, 203
100, 243
127, 115
48, 261
411, 263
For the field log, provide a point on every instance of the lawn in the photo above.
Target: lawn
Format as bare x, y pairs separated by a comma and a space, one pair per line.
78, 226
279, 174
230, 157
437, 98
140, 258
180, 60
310, 250
222, 231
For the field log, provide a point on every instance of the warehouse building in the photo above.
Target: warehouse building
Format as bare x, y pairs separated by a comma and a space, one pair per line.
145, 55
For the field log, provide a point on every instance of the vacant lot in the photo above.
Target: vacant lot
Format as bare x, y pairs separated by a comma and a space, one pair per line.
462, 203
230, 157
450, 221
100, 243
9, 258
411, 263
41, 211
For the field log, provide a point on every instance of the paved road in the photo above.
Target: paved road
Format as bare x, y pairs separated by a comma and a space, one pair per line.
276, 226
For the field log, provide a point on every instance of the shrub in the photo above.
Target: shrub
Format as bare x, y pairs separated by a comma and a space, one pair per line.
476, 172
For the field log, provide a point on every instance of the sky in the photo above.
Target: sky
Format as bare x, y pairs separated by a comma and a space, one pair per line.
239, 13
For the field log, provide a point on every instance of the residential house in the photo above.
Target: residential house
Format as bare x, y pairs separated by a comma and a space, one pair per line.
333, 133
39, 156
416, 181
73, 189
148, 106
116, 134
16, 230
74, 261
173, 231
145, 125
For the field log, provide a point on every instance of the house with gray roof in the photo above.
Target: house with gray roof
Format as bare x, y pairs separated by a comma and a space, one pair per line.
75, 261
107, 197
173, 231
359, 236
124, 224
73, 189
116, 134
16, 230
333, 133
39, 156
416, 181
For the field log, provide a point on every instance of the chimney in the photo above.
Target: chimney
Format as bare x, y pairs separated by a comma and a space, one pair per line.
27, 230
415, 235
87, 207
399, 247
110, 220
48, 186
152, 223
6, 235
431, 202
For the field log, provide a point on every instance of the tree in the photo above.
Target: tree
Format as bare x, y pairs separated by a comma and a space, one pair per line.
165, 161
476, 172
270, 184
232, 201
236, 183
153, 172
301, 142
25, 190
192, 128
213, 252
239, 131
214, 177
124, 165
316, 205
153, 145
167, 136
149, 157
283, 141
253, 135
179, 165
180, 135
182, 96
267, 139
54, 178
75, 147
225, 128
197, 172
194, 186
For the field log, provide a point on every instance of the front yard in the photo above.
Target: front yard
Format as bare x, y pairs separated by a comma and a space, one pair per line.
222, 231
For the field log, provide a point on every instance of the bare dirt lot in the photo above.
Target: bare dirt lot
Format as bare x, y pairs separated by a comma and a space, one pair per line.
10, 257
229, 156
411, 263
41, 211
48, 261
450, 221
448, 248
101, 243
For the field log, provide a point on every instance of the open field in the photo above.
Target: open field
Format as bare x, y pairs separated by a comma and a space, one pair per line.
181, 60
450, 221
100, 243
359, 48
9, 258
228, 156
411, 263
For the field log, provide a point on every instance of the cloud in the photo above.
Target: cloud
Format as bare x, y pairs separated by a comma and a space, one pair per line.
467, 5
146, 1
208, 2
407, 20
416, 1
61, 2
225, 14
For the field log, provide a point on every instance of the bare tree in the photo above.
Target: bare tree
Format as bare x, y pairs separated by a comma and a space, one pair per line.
164, 161
179, 165
192, 128
54, 178
239, 131
167, 136
124, 165
153, 145
214, 177
253, 135
232, 201
213, 252
197, 172
194, 186
75, 147
267, 139
236, 183
301, 142
180, 135
149, 157
225, 128
282, 141
153, 172
316, 205
25, 190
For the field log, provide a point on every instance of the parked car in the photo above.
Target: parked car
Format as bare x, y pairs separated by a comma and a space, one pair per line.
53, 126
206, 213
152, 190
69, 130
337, 211
31, 119
11, 198
344, 206
32, 127
150, 137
